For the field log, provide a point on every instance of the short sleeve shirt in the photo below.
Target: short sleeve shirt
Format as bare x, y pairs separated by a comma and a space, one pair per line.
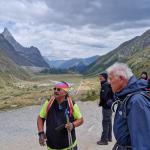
76, 111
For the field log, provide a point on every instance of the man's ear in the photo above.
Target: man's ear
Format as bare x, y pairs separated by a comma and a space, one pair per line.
121, 77
124, 80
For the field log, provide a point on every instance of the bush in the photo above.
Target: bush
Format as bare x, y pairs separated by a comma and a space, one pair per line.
35, 86
90, 96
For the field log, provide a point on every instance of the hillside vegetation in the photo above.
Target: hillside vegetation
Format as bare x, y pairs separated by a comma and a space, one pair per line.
134, 52
140, 61
9, 71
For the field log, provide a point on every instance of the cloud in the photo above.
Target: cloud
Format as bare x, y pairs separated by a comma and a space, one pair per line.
23, 11
74, 28
100, 12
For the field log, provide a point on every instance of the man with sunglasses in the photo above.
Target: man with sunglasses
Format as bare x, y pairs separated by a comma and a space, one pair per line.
62, 115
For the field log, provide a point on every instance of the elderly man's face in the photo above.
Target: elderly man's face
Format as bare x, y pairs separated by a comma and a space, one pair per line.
117, 83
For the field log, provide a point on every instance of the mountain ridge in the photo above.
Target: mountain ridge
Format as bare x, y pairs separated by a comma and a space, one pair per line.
74, 62
7, 49
122, 53
31, 54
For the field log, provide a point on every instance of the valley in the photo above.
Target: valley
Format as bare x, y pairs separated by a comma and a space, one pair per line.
19, 93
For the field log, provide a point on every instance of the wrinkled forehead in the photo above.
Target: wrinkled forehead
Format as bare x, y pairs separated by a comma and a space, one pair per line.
112, 75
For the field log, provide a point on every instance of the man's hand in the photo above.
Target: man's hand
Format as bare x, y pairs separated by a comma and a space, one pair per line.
69, 126
42, 138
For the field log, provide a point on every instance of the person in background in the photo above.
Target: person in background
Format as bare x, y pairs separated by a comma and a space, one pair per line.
62, 116
132, 118
144, 75
148, 84
106, 100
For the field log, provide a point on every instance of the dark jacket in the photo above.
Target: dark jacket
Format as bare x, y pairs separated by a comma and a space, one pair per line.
106, 95
135, 129
58, 139
148, 84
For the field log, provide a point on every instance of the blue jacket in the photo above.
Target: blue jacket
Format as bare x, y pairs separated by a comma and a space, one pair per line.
135, 129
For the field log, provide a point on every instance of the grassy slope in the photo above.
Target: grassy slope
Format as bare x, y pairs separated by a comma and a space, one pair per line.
102, 63
140, 61
9, 70
133, 49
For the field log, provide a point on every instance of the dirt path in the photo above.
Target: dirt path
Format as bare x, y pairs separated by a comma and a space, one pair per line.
18, 129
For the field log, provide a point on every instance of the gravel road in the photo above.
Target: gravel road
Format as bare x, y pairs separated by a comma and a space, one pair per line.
18, 128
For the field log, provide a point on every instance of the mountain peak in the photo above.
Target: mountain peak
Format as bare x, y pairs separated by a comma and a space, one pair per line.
6, 33
146, 32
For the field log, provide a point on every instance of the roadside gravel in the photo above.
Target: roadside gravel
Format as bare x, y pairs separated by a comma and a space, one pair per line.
18, 128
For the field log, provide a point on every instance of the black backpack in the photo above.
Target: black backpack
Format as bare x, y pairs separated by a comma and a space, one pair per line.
125, 101
124, 104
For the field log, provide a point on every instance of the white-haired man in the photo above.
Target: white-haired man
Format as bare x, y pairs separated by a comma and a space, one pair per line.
132, 118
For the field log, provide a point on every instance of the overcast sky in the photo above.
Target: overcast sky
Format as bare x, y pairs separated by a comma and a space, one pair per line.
64, 29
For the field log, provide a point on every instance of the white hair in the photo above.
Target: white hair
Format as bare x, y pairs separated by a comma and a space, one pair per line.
120, 69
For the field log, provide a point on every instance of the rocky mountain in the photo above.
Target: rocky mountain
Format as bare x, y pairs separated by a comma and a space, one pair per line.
135, 49
8, 50
54, 63
32, 55
80, 68
72, 63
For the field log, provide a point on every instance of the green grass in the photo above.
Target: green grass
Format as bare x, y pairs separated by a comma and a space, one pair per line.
58, 77
140, 62
23, 93
91, 95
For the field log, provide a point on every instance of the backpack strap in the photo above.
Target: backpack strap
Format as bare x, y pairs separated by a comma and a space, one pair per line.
125, 101
116, 103
146, 94
50, 104
70, 103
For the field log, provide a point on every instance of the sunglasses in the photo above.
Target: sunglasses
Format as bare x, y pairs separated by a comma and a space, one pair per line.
56, 89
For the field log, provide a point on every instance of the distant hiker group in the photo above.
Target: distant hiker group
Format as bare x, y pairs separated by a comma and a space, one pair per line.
120, 92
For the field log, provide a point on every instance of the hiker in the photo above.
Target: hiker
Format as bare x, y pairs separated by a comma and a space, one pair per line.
106, 100
132, 118
62, 116
144, 75
148, 84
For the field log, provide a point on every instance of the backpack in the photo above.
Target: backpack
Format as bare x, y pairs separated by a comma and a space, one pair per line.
125, 102
70, 104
